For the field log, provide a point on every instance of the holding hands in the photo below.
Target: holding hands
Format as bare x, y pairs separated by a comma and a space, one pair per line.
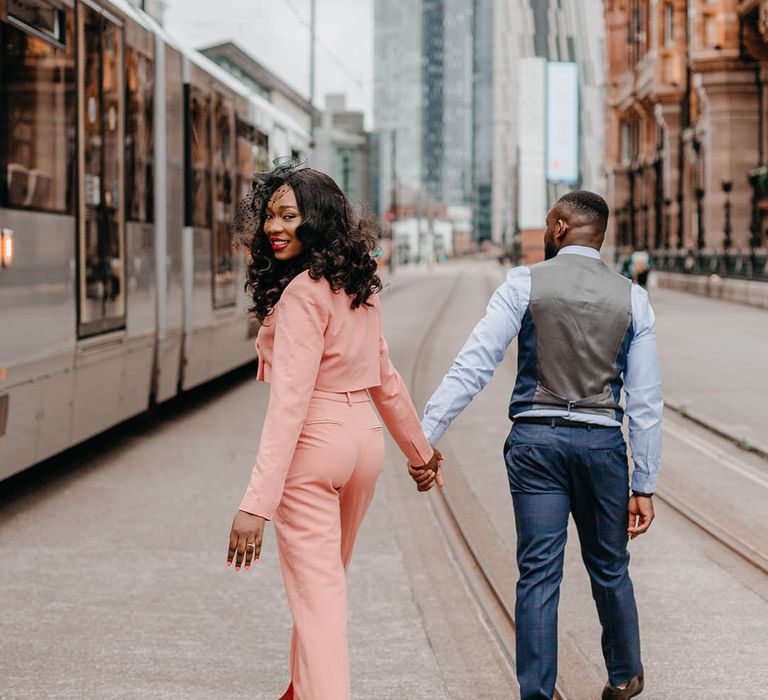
247, 533
429, 474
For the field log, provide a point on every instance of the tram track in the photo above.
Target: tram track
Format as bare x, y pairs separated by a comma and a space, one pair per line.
489, 584
681, 505
471, 537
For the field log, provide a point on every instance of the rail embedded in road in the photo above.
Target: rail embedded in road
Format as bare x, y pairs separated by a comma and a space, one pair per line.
486, 561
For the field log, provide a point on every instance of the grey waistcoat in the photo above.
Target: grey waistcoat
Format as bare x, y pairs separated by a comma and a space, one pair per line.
574, 338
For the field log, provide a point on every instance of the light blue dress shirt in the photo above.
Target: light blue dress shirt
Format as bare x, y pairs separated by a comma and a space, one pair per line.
485, 348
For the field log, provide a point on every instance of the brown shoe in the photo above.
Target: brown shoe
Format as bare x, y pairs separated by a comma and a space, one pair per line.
634, 687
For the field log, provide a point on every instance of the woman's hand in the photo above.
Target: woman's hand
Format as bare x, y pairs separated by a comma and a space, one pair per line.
430, 473
245, 539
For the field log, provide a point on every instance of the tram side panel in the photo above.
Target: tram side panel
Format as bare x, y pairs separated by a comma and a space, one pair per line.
37, 220
215, 325
141, 218
114, 353
169, 187
196, 244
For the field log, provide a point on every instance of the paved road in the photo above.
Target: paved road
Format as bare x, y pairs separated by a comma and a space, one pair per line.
114, 585
113, 576
713, 361
702, 609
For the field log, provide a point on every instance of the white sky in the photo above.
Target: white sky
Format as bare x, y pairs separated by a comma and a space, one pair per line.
276, 33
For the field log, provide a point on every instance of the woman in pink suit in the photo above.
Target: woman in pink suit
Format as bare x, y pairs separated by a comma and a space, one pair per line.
314, 288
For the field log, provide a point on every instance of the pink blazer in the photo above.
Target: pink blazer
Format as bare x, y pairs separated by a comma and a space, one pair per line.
315, 340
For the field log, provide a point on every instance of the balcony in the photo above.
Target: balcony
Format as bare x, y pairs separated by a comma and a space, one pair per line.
715, 40
624, 90
670, 73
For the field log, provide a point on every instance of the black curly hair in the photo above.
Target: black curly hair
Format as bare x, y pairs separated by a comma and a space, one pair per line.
336, 242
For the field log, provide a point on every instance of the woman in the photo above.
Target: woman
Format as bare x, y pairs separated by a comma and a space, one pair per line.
314, 288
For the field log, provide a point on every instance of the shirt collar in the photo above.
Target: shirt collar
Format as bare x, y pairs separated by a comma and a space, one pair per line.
579, 250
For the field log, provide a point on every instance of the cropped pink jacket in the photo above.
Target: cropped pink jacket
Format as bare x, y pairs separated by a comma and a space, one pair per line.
312, 340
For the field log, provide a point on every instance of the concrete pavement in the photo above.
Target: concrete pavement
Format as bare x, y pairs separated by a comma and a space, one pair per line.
702, 608
114, 584
713, 362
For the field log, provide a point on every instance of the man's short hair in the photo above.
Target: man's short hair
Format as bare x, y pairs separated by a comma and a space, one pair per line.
588, 205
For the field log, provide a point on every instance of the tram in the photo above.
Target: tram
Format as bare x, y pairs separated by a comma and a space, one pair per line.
122, 159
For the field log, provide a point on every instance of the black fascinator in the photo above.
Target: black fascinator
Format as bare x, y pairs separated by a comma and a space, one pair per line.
250, 208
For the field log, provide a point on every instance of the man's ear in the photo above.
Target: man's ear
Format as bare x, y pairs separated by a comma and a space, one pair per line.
561, 228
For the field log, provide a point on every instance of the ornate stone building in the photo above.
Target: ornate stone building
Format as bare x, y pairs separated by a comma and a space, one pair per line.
687, 126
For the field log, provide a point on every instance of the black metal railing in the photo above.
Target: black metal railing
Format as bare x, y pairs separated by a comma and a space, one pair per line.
749, 264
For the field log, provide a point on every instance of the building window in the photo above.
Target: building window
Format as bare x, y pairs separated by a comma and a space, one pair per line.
669, 25
139, 98
37, 111
626, 143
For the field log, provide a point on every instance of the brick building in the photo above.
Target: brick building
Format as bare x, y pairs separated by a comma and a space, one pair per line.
687, 128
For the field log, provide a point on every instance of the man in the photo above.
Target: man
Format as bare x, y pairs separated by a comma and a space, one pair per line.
581, 327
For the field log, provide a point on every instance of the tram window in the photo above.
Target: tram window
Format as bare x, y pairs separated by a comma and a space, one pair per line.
252, 155
102, 233
200, 158
139, 163
37, 118
224, 183
39, 15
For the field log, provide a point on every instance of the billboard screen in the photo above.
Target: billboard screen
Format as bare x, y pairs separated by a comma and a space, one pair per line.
532, 187
562, 122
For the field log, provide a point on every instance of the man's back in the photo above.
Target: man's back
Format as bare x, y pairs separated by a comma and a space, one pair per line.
574, 337
582, 331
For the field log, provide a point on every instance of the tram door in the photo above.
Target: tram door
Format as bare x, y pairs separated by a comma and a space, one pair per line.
101, 269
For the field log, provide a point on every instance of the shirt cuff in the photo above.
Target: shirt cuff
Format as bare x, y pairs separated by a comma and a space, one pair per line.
643, 482
254, 505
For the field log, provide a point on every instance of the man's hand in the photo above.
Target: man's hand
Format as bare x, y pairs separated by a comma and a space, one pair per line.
429, 474
640, 515
245, 539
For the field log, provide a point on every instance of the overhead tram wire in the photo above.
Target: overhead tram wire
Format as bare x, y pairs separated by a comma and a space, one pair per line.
336, 60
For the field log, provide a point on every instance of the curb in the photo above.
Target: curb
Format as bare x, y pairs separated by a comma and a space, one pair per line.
742, 443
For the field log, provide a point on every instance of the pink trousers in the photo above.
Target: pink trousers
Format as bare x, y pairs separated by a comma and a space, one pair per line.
329, 487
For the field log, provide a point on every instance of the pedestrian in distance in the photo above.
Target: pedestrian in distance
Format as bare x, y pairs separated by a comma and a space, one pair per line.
315, 290
583, 331
637, 266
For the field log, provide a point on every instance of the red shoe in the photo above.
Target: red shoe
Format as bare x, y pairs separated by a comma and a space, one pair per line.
288, 694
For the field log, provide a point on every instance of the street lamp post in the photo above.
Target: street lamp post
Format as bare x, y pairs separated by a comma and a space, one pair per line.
312, 39
727, 242
700, 238
644, 169
699, 193
680, 219
658, 201
646, 241
631, 208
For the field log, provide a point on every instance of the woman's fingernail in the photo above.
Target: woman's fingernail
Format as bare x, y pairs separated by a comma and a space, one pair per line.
237, 568
247, 567
229, 563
